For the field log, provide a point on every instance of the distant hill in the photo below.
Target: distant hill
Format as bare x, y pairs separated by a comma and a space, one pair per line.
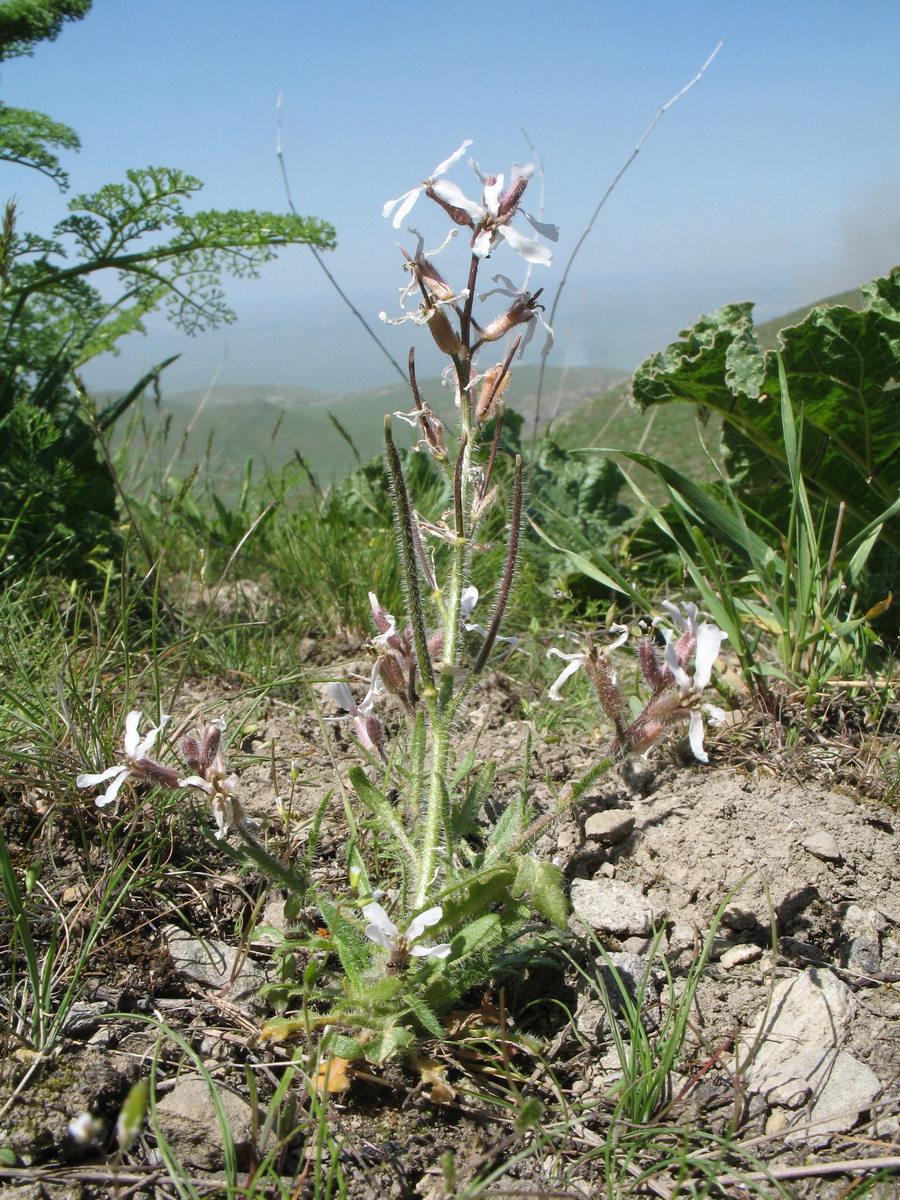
767, 332
221, 427
667, 431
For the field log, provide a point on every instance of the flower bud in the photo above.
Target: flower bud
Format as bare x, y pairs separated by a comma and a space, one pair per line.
493, 387
442, 331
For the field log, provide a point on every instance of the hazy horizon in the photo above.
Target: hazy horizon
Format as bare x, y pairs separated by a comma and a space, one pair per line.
771, 180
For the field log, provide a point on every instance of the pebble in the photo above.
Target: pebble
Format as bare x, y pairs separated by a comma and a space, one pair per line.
612, 906
609, 827
821, 844
738, 955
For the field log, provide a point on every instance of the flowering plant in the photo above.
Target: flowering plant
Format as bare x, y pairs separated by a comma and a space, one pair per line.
420, 857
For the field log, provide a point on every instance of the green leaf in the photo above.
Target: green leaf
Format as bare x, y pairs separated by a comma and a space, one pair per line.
543, 882
341, 1046
841, 370
424, 1015
463, 902
352, 948
381, 807
463, 817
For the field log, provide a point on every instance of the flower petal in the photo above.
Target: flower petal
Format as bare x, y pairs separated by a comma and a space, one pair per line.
440, 951
197, 781
456, 197
544, 228
529, 249
682, 679
431, 916
132, 738
381, 929
492, 193
467, 601
113, 790
85, 781
481, 247
575, 662
454, 158
342, 696
695, 737
709, 639
144, 747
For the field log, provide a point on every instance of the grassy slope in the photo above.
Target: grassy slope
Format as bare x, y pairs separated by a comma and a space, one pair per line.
585, 406
272, 424
667, 431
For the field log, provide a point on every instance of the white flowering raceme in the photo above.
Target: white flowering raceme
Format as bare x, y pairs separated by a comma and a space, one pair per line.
490, 219
136, 762
383, 932
408, 199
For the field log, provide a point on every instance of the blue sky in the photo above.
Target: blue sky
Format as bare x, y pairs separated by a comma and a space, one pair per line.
775, 179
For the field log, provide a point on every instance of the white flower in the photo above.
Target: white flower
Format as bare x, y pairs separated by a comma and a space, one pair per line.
582, 659
575, 662
137, 763
85, 1129
383, 932
704, 641
408, 199
367, 725
467, 602
491, 218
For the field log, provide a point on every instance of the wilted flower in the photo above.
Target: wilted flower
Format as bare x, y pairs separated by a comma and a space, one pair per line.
524, 310
408, 199
467, 602
382, 930
367, 725
204, 754
136, 762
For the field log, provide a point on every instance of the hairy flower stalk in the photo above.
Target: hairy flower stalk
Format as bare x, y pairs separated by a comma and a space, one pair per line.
449, 312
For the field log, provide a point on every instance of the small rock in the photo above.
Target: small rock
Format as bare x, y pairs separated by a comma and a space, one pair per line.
612, 906
640, 945
213, 963
188, 1120
738, 955
719, 947
796, 1040
777, 1122
793, 1093
609, 827
822, 845
863, 954
682, 936
849, 1088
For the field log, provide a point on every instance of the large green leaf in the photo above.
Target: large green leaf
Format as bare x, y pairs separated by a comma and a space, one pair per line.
842, 372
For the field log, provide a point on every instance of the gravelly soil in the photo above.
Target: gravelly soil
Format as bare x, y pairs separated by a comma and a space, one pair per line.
801, 873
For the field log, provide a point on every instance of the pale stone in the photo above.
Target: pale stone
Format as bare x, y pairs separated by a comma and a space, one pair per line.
215, 964
190, 1122
822, 844
612, 906
609, 827
738, 955
795, 1040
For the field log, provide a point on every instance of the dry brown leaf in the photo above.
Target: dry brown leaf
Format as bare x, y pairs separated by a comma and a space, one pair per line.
334, 1075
